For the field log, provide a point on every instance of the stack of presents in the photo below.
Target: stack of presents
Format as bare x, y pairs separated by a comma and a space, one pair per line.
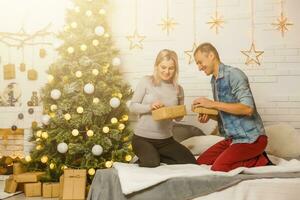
72, 185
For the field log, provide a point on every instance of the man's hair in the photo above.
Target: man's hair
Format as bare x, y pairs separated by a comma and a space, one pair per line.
207, 48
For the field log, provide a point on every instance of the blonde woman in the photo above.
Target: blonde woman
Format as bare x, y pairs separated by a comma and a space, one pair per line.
152, 141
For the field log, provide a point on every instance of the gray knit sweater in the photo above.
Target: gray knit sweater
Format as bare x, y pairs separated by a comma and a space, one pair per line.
145, 94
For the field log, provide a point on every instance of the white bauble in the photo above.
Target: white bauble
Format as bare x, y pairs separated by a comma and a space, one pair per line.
79, 109
99, 30
116, 62
89, 88
46, 119
95, 72
114, 102
62, 147
78, 74
55, 94
97, 150
75, 132
96, 100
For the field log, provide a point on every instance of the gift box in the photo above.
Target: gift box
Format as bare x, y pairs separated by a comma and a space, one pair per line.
201, 110
18, 168
28, 177
50, 190
9, 71
33, 189
61, 186
170, 112
74, 182
10, 185
32, 74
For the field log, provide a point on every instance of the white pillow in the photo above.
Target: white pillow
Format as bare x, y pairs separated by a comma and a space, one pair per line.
283, 140
198, 144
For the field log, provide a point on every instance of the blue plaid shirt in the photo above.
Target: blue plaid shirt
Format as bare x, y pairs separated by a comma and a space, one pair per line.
232, 86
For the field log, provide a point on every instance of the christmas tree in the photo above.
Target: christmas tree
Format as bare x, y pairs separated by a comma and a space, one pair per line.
85, 121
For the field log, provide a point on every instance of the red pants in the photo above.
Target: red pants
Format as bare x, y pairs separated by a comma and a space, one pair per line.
224, 156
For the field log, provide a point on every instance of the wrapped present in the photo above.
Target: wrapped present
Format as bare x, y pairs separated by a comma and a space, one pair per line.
74, 182
32, 74
61, 186
51, 190
9, 71
28, 177
10, 185
33, 189
170, 112
201, 110
18, 168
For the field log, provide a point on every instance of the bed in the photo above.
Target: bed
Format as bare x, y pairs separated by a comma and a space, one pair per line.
172, 182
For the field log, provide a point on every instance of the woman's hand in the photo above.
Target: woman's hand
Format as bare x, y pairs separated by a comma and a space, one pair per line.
156, 105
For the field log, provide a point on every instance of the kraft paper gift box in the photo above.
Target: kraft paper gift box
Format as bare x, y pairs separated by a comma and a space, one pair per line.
170, 112
28, 177
201, 110
50, 190
10, 185
18, 168
74, 183
9, 71
33, 189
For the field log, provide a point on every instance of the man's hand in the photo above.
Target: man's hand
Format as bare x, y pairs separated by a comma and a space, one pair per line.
156, 105
203, 102
203, 118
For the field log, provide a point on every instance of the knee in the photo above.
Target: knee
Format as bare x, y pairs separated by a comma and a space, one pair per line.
220, 167
149, 163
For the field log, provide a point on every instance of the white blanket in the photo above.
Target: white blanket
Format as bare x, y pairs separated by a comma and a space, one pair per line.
134, 178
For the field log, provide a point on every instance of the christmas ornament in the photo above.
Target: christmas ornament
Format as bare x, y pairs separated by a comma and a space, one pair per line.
38, 139
130, 147
46, 119
78, 74
38, 147
105, 129
96, 100
106, 35
121, 126
116, 62
136, 40
74, 25
90, 133
114, 102
14, 127
190, 53
67, 116
99, 30
252, 55
63, 167
75, 132
95, 72
108, 164
89, 88
39, 133
216, 20
55, 94
42, 53
83, 47
53, 107
95, 42
114, 120
70, 50
34, 124
44, 159
45, 135
79, 109
22, 67
9, 71
128, 158
125, 117
50, 78
168, 23
27, 158
34, 99
52, 166
282, 21
119, 95
21, 116
31, 110
97, 150
102, 11
88, 13
91, 172
62, 147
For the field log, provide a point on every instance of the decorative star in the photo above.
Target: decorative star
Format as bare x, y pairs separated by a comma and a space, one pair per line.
168, 24
282, 24
190, 53
136, 40
252, 55
216, 22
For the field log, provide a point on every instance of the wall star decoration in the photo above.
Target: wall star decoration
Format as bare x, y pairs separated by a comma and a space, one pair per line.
252, 55
168, 23
216, 20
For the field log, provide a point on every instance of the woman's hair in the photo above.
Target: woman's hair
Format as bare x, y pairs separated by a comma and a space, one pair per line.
165, 54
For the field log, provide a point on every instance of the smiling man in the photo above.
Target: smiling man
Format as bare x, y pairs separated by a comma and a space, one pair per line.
239, 121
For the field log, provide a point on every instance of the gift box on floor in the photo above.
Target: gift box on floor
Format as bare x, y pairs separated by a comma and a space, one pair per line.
9, 71
28, 177
61, 186
33, 189
50, 190
10, 185
74, 182
170, 112
201, 110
